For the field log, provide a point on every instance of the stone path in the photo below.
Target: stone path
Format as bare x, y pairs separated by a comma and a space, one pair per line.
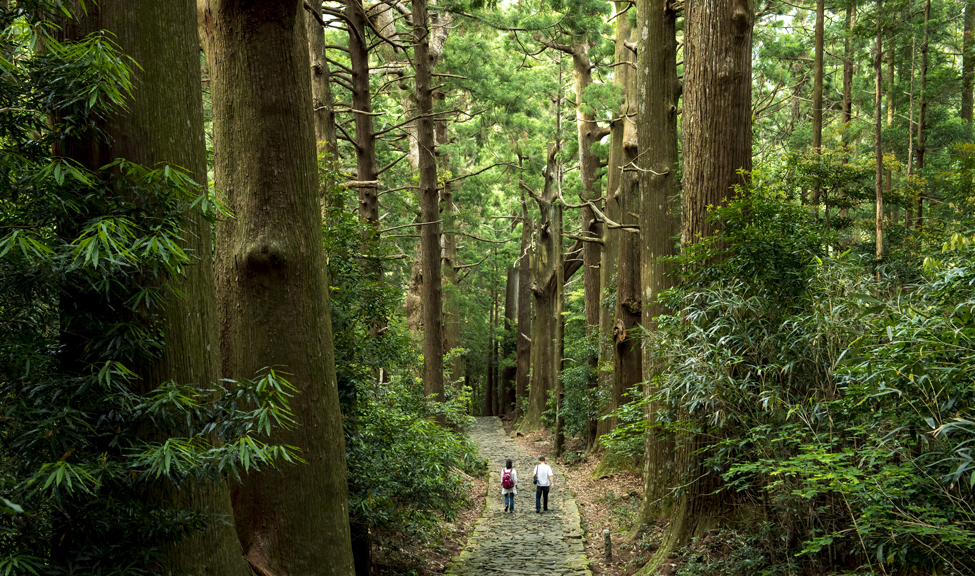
523, 543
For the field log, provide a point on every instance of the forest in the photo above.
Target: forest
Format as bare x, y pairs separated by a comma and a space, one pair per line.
264, 262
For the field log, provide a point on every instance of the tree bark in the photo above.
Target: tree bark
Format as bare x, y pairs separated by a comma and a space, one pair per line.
717, 145
611, 207
547, 289
321, 93
588, 134
451, 298
968, 64
921, 115
848, 65
429, 211
508, 346
496, 353
627, 338
491, 396
660, 190
365, 140
716, 124
888, 173
878, 144
163, 123
817, 95
523, 345
273, 295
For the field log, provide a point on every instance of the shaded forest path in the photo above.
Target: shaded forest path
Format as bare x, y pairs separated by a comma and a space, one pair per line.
523, 543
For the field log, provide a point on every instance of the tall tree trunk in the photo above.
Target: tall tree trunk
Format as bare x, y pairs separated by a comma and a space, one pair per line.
878, 144
365, 140
817, 95
611, 236
327, 140
451, 298
429, 210
508, 347
659, 224
588, 134
717, 144
163, 123
523, 344
922, 117
546, 289
848, 64
496, 353
716, 124
492, 399
888, 175
273, 298
321, 93
968, 64
627, 357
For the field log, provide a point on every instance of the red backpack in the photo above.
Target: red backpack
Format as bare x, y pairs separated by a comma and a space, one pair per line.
506, 481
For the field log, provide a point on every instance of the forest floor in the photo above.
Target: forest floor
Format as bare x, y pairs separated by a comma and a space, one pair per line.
611, 501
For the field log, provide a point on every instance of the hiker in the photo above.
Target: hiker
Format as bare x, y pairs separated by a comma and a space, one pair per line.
509, 486
543, 479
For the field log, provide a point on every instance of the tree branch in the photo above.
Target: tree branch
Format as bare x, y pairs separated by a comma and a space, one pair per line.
584, 238
383, 231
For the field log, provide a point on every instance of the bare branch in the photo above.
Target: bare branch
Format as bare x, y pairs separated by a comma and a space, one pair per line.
360, 184
391, 164
584, 238
409, 226
479, 171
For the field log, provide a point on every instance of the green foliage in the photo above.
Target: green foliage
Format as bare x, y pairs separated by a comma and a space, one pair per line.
405, 471
759, 551
580, 405
842, 403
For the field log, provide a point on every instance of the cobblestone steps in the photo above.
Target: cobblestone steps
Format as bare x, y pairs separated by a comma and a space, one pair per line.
523, 543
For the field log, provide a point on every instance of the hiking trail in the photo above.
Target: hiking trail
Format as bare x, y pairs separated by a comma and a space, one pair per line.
523, 543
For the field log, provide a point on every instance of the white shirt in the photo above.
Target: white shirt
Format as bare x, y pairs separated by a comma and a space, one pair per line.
544, 474
514, 478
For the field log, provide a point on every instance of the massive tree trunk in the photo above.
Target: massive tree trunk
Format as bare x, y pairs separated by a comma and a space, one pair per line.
717, 144
627, 357
429, 210
716, 124
523, 344
660, 190
611, 207
588, 134
273, 292
547, 288
164, 124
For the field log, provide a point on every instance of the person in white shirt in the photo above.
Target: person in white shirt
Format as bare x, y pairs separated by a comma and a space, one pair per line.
509, 493
544, 478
